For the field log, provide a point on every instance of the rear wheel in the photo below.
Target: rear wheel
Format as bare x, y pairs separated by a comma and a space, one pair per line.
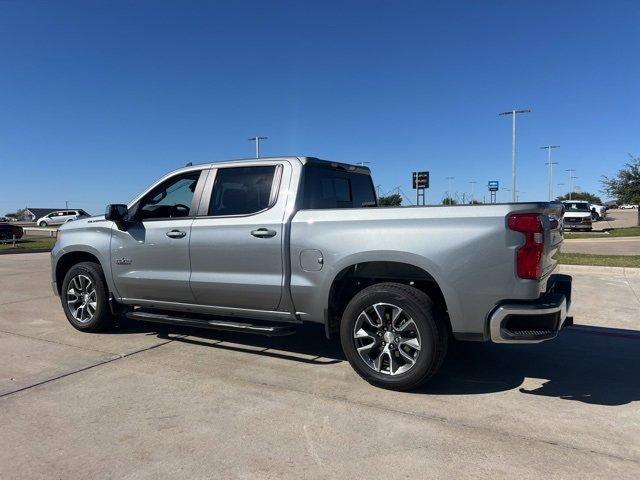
42, 224
85, 299
393, 336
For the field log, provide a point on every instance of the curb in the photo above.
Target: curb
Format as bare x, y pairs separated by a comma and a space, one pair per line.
10, 251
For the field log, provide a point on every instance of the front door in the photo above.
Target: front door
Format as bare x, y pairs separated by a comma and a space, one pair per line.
150, 258
236, 246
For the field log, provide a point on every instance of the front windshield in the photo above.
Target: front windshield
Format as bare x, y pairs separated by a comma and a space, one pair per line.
576, 206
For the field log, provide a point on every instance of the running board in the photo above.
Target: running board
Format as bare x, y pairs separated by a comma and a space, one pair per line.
214, 324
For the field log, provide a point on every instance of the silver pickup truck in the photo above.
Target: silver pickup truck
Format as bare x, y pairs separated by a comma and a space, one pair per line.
261, 246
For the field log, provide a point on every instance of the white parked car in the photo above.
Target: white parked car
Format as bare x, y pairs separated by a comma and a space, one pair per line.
577, 214
601, 211
628, 206
58, 218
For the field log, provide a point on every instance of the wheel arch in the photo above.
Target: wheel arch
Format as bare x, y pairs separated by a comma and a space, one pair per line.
69, 259
353, 278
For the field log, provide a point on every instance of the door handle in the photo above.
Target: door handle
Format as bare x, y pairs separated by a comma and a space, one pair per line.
263, 233
176, 234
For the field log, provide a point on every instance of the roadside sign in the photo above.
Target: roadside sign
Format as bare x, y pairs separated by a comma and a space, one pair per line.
494, 186
420, 180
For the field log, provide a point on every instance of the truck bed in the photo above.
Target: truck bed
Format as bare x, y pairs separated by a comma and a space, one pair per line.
467, 250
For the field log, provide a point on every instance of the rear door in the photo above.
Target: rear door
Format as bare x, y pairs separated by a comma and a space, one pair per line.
237, 242
56, 218
150, 259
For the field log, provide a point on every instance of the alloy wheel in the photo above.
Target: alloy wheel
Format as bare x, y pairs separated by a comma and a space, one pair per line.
81, 298
387, 339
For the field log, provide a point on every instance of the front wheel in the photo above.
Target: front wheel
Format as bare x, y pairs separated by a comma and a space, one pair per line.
394, 336
42, 224
84, 298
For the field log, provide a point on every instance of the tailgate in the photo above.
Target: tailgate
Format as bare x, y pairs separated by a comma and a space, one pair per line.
554, 237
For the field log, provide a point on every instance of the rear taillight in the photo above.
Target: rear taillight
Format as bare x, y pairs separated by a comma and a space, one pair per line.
529, 255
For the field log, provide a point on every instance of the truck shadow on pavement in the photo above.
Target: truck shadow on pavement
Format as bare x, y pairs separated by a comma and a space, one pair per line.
593, 365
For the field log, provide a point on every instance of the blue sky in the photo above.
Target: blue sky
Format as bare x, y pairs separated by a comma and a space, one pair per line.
98, 99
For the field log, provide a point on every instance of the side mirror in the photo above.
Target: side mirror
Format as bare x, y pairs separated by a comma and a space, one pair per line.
117, 213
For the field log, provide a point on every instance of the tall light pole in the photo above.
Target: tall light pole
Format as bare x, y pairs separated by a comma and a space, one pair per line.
571, 179
450, 179
473, 183
550, 170
257, 140
513, 114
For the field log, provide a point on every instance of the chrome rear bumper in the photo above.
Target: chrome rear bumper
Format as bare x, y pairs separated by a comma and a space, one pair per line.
533, 321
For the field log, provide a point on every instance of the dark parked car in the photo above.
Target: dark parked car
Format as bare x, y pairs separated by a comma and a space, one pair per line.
8, 231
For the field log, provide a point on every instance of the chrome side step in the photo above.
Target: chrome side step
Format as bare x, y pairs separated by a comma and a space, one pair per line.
269, 330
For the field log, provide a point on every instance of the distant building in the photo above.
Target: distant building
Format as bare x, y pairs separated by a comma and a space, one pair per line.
32, 214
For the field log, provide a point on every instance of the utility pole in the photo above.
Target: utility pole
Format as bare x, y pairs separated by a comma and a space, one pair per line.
550, 170
257, 140
66, 204
571, 179
472, 182
450, 179
513, 114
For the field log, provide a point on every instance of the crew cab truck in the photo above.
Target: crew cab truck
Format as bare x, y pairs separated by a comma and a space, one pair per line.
264, 245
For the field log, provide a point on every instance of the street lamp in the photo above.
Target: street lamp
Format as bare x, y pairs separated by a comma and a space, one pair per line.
257, 140
550, 171
571, 179
513, 114
472, 182
450, 179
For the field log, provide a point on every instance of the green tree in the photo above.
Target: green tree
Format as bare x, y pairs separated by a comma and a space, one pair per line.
589, 197
625, 186
449, 201
393, 200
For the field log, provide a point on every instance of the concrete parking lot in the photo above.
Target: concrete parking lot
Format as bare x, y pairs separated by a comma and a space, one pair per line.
144, 401
618, 219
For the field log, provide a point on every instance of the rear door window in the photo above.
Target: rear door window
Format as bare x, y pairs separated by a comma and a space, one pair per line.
242, 190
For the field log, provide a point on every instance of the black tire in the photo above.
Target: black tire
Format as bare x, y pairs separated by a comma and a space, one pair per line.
42, 224
102, 318
430, 323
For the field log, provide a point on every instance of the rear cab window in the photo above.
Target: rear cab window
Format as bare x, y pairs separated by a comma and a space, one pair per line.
325, 187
